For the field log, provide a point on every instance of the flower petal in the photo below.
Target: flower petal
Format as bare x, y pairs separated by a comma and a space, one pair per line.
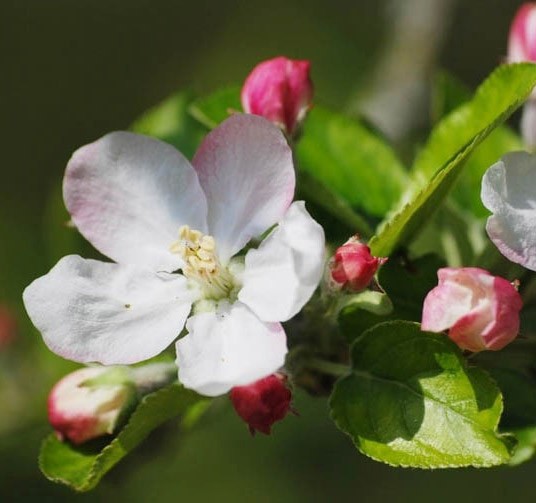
129, 194
282, 274
91, 311
509, 191
245, 168
227, 348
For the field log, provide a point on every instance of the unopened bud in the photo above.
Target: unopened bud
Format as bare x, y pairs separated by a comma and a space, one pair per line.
480, 311
522, 36
353, 267
8, 327
262, 403
280, 90
91, 402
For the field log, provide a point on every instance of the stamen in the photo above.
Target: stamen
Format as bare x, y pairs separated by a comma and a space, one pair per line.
201, 262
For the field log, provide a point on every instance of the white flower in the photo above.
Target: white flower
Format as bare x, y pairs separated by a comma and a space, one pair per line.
509, 192
141, 203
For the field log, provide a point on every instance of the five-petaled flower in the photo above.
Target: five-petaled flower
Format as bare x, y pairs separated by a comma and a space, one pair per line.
174, 230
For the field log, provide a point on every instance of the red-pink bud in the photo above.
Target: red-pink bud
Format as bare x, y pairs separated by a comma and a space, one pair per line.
80, 407
480, 311
522, 37
262, 403
8, 327
280, 90
353, 267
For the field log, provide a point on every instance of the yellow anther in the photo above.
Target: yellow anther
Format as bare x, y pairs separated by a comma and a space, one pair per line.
201, 262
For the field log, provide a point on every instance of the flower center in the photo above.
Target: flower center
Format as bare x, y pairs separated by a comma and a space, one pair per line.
201, 263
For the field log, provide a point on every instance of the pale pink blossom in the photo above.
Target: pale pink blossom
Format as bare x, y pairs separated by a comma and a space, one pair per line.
174, 230
480, 311
280, 90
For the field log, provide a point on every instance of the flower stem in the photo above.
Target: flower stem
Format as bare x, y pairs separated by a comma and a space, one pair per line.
327, 367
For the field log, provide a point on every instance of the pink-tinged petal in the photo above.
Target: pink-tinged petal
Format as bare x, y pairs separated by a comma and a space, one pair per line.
444, 305
129, 194
91, 311
280, 90
227, 348
282, 274
245, 168
506, 307
509, 192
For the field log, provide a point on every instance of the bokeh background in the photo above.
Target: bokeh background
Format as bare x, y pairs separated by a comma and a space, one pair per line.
72, 71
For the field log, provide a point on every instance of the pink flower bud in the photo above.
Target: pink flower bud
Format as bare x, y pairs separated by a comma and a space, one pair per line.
280, 90
90, 402
262, 403
353, 267
479, 310
522, 37
8, 327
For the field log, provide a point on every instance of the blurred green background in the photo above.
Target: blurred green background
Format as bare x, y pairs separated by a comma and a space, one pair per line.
72, 71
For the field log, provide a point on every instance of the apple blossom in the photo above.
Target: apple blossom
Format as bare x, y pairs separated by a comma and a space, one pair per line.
174, 230
480, 311
280, 90
90, 402
262, 403
352, 266
509, 192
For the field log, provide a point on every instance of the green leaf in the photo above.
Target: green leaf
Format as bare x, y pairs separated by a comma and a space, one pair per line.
406, 282
82, 467
350, 160
170, 122
440, 163
411, 400
519, 417
213, 109
450, 94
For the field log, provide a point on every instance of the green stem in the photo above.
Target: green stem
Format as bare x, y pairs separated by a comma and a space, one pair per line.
327, 367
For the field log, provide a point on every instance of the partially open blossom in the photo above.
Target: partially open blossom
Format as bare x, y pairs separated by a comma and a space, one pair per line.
174, 230
522, 36
8, 327
479, 310
89, 403
280, 90
262, 403
509, 192
353, 267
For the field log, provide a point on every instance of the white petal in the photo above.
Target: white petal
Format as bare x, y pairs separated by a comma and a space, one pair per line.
129, 194
91, 311
282, 274
227, 348
245, 168
509, 191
